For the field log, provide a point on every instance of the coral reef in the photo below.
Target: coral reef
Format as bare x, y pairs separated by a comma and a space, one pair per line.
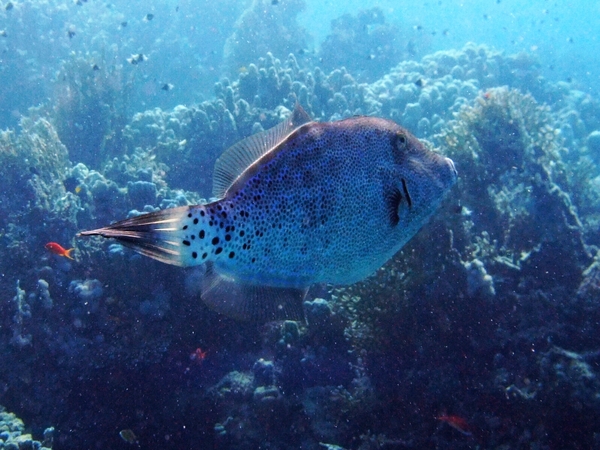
35, 207
421, 96
90, 110
265, 26
13, 436
22, 311
509, 144
308, 373
364, 44
489, 313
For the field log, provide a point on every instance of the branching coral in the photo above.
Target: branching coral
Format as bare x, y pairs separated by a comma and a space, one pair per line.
506, 148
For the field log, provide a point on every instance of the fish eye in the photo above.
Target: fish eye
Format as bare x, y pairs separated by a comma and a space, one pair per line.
401, 140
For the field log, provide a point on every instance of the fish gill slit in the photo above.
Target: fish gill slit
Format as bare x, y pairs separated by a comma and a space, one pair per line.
406, 193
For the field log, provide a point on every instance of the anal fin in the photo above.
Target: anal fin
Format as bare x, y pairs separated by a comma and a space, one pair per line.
253, 303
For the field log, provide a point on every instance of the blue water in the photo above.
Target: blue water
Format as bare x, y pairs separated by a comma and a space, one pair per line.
482, 332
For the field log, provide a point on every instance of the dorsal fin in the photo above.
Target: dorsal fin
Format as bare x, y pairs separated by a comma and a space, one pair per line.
240, 156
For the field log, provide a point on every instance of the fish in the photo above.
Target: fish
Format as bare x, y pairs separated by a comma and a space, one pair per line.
70, 33
9, 6
148, 17
304, 203
95, 67
59, 250
128, 436
70, 183
137, 58
167, 87
456, 422
199, 355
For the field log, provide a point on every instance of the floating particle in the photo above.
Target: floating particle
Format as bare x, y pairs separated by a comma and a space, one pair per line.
128, 436
9, 6
3, 33
70, 33
167, 87
95, 67
149, 17
123, 24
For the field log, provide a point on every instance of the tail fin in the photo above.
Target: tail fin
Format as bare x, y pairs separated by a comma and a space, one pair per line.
68, 253
157, 235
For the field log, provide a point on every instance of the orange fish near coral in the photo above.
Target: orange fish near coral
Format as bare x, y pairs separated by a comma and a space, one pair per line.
456, 422
198, 355
59, 250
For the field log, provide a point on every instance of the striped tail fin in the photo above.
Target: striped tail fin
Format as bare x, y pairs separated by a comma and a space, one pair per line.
157, 235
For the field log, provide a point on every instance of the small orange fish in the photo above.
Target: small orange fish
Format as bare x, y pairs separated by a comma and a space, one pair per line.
58, 249
198, 355
456, 422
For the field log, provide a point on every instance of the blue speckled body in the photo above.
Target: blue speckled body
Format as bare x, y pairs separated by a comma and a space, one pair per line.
317, 209
316, 203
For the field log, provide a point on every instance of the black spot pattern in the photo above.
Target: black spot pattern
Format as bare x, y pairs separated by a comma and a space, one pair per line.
319, 209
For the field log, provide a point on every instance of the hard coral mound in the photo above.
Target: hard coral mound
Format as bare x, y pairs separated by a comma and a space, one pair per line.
265, 26
515, 187
364, 44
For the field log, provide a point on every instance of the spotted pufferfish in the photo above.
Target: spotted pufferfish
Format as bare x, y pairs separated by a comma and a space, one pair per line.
300, 204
